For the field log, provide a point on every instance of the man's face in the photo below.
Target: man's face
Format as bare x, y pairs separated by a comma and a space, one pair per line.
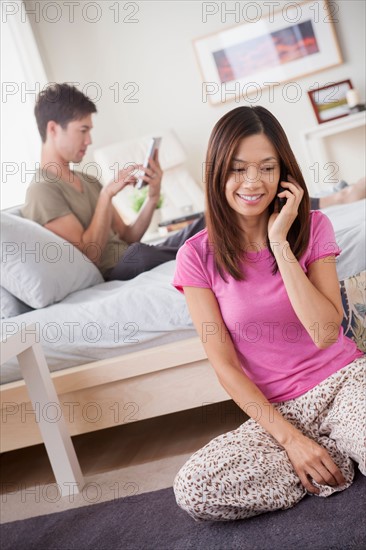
72, 142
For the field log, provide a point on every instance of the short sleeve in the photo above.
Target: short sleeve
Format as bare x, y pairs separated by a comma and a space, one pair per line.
189, 269
322, 242
44, 202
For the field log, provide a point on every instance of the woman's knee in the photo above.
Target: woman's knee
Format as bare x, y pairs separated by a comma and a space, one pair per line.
199, 493
190, 493
230, 495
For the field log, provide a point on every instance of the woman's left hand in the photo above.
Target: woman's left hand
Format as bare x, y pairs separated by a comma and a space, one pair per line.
279, 223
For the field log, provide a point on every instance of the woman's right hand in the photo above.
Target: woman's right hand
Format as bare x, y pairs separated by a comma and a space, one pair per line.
312, 462
279, 223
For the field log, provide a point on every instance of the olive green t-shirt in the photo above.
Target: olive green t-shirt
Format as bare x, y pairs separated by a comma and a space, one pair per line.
49, 197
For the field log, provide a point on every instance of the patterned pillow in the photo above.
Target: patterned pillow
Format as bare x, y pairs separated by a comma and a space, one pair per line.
353, 292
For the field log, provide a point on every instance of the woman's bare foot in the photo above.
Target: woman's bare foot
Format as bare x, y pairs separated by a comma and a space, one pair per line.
351, 193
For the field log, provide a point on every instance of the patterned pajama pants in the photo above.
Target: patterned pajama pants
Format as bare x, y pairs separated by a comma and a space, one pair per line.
245, 472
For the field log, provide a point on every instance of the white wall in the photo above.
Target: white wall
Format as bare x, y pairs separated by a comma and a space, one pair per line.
21, 68
157, 54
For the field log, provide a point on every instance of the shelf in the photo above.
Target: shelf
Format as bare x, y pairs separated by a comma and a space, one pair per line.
333, 152
332, 127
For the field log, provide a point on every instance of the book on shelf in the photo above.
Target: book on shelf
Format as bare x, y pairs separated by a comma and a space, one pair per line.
175, 224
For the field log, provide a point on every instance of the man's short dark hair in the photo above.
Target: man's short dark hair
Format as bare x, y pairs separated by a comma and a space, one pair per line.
61, 103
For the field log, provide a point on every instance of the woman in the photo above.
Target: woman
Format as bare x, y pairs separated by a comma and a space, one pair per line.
262, 290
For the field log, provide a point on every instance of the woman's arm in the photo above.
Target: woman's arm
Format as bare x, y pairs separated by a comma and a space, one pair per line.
315, 296
307, 457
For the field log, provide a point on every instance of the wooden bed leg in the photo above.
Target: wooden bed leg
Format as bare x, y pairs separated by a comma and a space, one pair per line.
56, 437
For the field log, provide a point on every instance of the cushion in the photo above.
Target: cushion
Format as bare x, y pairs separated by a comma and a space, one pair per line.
10, 305
38, 267
353, 292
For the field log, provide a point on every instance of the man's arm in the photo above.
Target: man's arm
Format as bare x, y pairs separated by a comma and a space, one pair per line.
92, 240
133, 232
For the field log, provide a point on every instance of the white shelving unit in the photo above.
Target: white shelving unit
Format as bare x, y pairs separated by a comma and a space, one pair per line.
335, 150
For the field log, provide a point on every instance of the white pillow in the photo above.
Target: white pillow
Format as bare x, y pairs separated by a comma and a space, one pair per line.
171, 153
38, 267
352, 259
10, 305
179, 189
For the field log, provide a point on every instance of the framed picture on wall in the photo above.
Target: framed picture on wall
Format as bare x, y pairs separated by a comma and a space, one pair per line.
276, 47
330, 102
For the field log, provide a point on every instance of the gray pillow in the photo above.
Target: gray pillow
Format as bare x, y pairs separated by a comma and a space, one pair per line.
10, 305
352, 259
38, 267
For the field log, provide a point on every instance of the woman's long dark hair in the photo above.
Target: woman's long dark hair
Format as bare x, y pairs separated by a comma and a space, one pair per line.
223, 233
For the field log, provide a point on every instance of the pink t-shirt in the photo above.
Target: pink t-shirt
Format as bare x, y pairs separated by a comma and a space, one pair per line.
274, 349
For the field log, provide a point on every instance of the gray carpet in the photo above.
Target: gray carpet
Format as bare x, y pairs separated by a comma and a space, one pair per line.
153, 521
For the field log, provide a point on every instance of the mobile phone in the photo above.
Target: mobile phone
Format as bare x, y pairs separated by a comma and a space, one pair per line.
283, 177
153, 147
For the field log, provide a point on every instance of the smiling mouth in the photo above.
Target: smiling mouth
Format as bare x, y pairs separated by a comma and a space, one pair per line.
249, 198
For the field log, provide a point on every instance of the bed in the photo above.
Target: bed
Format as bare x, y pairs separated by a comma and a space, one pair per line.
123, 351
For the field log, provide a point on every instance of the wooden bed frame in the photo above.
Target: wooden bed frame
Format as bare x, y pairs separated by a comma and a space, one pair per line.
143, 384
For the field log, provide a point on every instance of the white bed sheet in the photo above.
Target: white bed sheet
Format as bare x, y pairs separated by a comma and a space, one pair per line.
106, 320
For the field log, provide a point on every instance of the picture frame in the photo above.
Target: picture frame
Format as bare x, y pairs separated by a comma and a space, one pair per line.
329, 102
294, 41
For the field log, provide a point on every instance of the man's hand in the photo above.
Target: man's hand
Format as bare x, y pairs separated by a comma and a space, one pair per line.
312, 462
126, 176
153, 176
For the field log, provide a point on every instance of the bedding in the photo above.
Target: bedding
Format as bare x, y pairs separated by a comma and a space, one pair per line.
106, 320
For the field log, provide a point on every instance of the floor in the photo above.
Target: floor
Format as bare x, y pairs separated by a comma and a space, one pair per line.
129, 459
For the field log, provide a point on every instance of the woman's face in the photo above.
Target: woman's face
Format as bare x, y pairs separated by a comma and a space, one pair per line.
253, 176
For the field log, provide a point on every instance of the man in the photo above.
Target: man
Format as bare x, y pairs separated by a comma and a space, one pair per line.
76, 207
